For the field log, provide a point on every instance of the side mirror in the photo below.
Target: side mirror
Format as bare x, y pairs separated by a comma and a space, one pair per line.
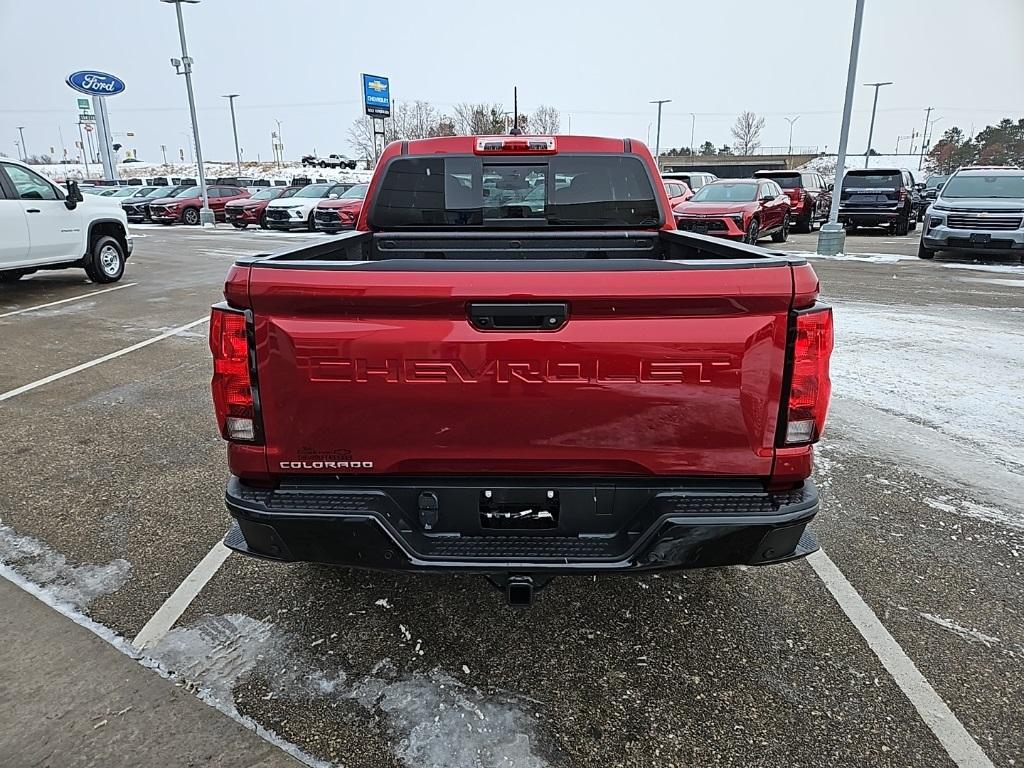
74, 195
831, 187
767, 198
332, 196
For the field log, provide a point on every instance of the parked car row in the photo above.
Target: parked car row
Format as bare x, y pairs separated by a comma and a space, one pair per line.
738, 209
325, 206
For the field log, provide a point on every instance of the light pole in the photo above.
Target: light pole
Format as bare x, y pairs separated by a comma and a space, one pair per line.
280, 144
912, 135
791, 121
693, 126
657, 135
184, 67
234, 129
871, 130
831, 237
924, 136
85, 152
23, 150
926, 139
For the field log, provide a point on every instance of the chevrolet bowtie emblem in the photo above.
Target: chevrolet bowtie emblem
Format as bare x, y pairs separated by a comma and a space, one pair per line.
376, 85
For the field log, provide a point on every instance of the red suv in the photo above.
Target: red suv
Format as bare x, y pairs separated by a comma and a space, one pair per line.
185, 206
253, 210
744, 209
334, 215
810, 197
678, 191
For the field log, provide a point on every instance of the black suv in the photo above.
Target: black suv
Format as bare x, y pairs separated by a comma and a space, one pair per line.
879, 196
810, 196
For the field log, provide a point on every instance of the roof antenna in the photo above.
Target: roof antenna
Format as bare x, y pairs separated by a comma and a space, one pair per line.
515, 113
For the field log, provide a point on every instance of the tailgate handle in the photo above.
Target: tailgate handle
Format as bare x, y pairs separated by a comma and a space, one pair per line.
518, 317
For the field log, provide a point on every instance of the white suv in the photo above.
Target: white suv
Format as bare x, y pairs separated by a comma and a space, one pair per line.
297, 211
44, 227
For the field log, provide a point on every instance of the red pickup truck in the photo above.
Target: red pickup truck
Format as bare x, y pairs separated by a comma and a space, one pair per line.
516, 366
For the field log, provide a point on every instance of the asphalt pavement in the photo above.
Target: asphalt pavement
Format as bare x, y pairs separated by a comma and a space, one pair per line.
113, 479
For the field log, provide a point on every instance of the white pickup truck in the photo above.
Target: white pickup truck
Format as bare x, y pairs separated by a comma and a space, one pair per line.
45, 227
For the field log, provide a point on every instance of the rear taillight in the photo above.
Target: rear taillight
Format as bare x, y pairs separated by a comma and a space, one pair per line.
902, 193
810, 386
233, 399
796, 195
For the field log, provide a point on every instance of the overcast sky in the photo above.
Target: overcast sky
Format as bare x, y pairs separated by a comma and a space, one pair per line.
298, 61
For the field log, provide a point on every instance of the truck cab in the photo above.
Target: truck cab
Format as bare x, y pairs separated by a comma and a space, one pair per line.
43, 226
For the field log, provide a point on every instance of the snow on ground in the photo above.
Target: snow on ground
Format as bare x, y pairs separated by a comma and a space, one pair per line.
1010, 269
871, 258
955, 371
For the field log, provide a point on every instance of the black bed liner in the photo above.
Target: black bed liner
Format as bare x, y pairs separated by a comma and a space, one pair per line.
510, 250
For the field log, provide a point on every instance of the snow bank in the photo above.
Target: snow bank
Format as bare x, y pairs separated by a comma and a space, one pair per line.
955, 370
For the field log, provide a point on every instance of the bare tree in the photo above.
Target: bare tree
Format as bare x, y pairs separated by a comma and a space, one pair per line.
479, 119
747, 133
415, 120
546, 119
360, 136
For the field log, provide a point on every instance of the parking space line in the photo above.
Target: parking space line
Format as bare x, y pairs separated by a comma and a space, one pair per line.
958, 743
113, 355
175, 605
65, 301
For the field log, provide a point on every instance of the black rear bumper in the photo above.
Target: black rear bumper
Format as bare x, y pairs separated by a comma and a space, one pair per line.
603, 526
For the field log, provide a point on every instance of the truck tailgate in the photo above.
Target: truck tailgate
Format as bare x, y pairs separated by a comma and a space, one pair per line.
668, 371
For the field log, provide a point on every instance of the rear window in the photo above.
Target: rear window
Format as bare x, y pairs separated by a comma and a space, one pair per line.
314, 190
985, 186
873, 180
561, 190
935, 182
784, 180
266, 194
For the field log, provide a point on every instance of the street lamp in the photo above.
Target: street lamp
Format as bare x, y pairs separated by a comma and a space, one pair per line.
657, 135
791, 121
871, 130
693, 125
280, 144
234, 129
184, 67
831, 237
23, 150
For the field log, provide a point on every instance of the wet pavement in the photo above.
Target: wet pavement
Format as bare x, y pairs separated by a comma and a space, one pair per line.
113, 479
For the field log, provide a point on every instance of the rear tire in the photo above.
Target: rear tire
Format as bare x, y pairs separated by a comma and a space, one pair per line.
902, 226
263, 221
805, 225
106, 260
783, 234
323, 164
924, 253
753, 232
311, 223
190, 216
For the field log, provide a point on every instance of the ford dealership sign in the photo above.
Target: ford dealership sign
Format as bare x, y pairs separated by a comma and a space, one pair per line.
95, 83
